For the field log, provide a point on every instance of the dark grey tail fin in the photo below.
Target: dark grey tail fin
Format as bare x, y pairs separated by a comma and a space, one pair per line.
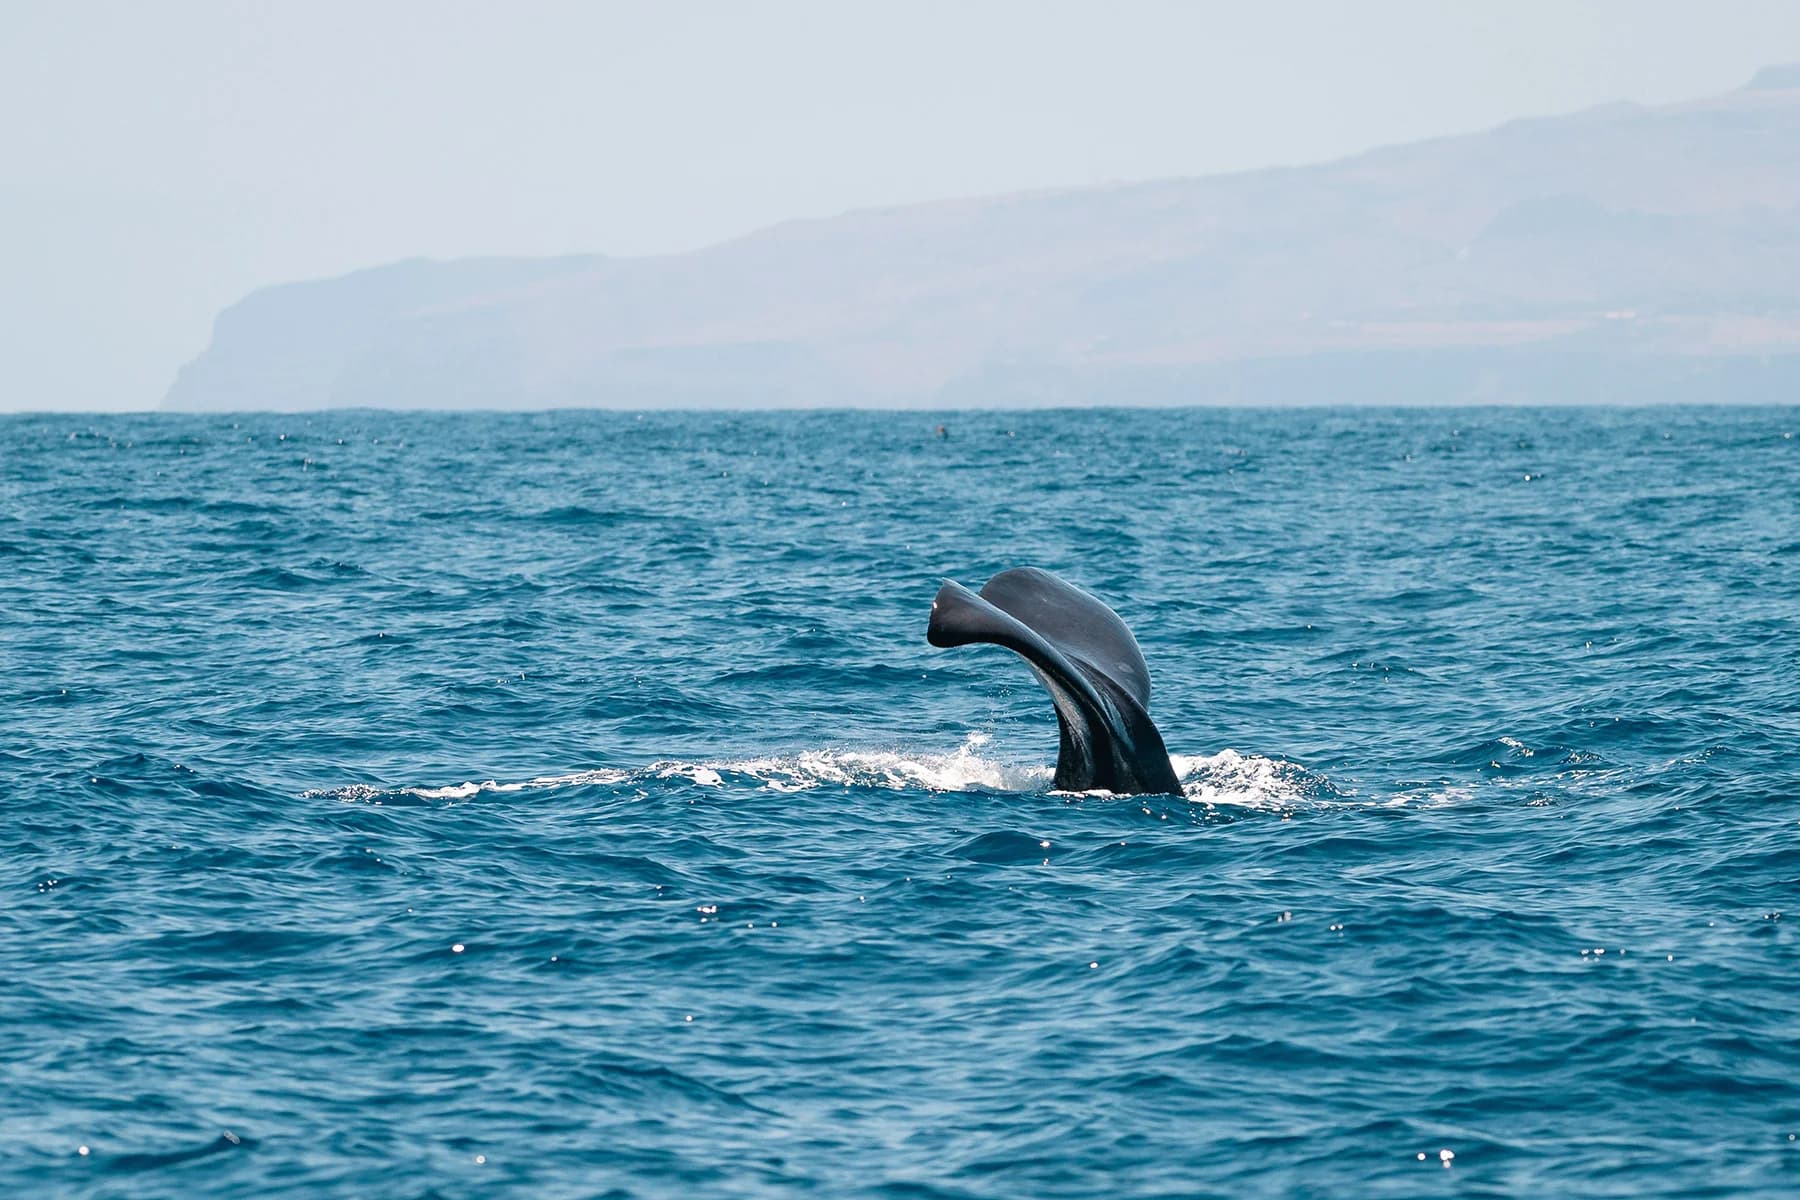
1086, 659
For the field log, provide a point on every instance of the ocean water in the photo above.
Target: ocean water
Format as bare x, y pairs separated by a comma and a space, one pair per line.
568, 805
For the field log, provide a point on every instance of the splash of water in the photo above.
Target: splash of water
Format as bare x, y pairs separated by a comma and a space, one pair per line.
1227, 777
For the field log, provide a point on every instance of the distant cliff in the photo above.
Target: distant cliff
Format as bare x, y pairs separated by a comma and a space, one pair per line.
1615, 254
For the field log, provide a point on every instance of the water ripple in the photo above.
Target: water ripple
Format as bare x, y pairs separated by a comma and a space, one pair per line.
567, 804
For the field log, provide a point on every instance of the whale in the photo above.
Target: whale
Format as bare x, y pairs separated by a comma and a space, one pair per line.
1086, 658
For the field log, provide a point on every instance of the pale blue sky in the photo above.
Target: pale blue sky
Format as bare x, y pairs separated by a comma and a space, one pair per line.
162, 159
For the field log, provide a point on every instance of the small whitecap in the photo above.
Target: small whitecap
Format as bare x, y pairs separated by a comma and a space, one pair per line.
1248, 780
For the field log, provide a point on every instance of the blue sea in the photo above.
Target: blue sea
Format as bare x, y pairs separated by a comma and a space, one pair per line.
569, 805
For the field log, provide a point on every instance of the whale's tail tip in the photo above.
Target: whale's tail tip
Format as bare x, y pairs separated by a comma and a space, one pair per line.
958, 616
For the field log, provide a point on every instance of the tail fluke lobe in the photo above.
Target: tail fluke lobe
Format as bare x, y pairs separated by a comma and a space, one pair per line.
1087, 660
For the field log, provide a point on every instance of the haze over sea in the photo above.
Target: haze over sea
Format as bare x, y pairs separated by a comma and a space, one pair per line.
568, 804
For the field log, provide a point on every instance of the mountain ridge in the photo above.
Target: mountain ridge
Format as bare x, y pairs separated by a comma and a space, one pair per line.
1642, 248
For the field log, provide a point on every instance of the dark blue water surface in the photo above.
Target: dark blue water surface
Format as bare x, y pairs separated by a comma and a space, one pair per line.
568, 805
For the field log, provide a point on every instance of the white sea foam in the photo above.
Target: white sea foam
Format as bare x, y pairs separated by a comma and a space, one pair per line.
1227, 777
963, 769
362, 792
1435, 796
1248, 780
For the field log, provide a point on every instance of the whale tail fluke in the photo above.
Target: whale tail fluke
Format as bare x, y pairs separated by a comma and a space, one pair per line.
1086, 659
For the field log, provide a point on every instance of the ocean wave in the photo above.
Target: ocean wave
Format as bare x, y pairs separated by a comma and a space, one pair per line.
688, 877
